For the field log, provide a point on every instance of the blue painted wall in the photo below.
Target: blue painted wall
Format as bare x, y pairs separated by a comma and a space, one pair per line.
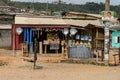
114, 39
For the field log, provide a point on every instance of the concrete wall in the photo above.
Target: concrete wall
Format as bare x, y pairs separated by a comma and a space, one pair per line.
5, 38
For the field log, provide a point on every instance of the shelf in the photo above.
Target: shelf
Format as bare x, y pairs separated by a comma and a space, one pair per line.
100, 38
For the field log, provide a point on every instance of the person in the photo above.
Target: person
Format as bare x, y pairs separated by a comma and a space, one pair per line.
35, 51
104, 16
109, 15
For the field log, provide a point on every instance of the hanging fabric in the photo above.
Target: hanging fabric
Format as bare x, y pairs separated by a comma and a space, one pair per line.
31, 41
30, 36
33, 34
38, 35
25, 36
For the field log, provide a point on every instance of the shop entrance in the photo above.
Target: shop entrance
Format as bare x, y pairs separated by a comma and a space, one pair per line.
48, 40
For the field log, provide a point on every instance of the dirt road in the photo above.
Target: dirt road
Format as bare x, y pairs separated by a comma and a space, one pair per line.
17, 69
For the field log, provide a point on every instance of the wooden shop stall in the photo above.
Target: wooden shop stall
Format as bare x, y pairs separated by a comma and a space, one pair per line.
79, 44
47, 31
73, 38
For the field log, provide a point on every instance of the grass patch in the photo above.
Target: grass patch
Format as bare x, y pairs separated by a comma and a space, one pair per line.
3, 63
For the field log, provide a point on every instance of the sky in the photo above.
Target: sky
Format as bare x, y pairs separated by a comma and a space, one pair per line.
112, 2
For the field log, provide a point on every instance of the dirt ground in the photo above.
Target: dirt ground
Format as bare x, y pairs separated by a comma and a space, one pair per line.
18, 69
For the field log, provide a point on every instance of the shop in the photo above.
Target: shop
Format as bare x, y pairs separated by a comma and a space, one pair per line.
79, 43
53, 36
50, 38
47, 31
6, 21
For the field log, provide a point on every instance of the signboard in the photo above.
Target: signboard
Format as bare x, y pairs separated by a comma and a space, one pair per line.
106, 31
107, 15
106, 40
107, 18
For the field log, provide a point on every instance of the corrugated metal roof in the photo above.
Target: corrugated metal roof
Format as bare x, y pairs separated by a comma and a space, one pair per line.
54, 20
38, 20
86, 14
82, 23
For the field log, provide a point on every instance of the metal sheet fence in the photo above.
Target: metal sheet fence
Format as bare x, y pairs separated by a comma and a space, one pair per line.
79, 52
5, 38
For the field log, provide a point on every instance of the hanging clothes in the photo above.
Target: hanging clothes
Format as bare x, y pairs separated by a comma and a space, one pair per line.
30, 40
38, 34
25, 36
32, 33
27, 30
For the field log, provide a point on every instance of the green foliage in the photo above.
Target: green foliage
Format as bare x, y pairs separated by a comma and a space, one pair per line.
3, 63
6, 1
89, 7
64, 13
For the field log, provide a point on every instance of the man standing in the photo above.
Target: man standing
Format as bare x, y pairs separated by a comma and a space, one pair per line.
35, 51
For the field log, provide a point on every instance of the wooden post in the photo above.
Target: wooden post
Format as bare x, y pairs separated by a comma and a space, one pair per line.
106, 42
119, 54
63, 49
13, 40
25, 50
97, 38
45, 48
40, 47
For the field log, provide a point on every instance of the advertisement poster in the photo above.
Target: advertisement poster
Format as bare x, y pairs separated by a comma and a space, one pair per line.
107, 15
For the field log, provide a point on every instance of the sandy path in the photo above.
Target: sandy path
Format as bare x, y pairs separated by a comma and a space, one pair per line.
17, 69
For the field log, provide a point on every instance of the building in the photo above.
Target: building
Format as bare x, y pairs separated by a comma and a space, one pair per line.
49, 32
6, 21
46, 30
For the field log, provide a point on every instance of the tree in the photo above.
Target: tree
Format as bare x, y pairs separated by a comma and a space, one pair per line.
63, 13
107, 5
89, 7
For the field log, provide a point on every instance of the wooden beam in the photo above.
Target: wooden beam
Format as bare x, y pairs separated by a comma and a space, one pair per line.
96, 37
